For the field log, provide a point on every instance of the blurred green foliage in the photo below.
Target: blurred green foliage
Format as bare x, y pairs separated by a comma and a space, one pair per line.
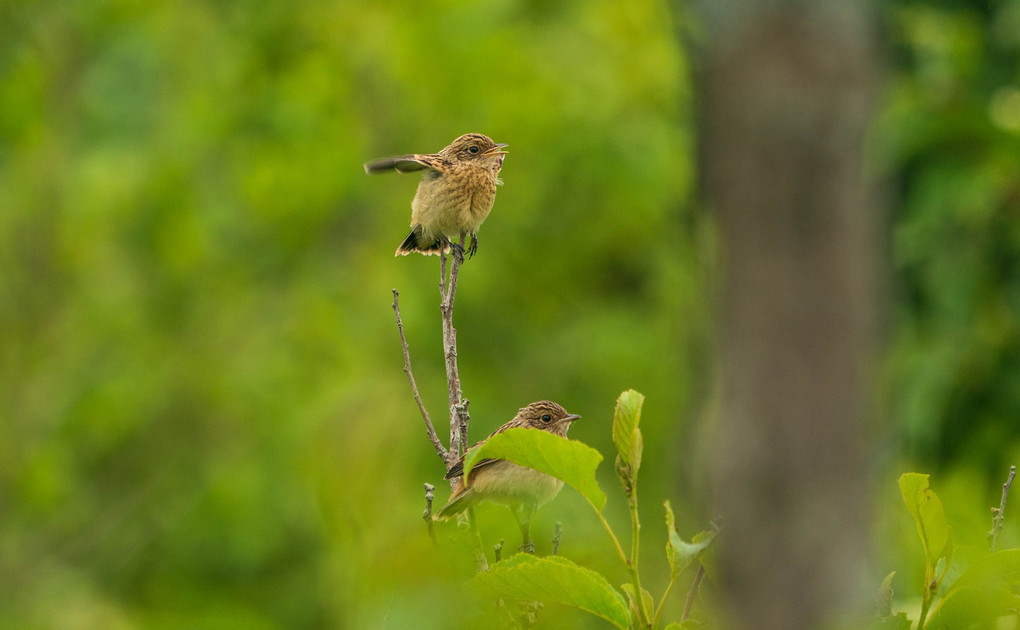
205, 422
947, 142
203, 419
949, 138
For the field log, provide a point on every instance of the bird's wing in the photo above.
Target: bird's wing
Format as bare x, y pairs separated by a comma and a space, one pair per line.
458, 469
405, 164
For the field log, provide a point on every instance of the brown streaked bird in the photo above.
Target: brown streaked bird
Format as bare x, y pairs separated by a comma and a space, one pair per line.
521, 489
455, 195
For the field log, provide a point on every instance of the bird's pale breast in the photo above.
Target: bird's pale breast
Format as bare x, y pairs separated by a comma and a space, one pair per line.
456, 202
508, 483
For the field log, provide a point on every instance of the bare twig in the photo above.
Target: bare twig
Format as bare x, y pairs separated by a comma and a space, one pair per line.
427, 514
691, 594
557, 534
997, 513
442, 274
463, 419
429, 428
459, 417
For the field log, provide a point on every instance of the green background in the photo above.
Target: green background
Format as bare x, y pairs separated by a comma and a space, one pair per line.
203, 418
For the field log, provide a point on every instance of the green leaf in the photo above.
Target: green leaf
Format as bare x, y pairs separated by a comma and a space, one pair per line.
885, 595
999, 569
626, 434
568, 460
671, 552
982, 593
926, 508
679, 553
552, 579
645, 595
972, 607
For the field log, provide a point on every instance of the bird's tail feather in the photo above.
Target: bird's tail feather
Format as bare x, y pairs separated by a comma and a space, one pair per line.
460, 501
415, 242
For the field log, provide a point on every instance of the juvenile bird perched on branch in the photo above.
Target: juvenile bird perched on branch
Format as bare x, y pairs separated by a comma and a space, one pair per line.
521, 489
455, 195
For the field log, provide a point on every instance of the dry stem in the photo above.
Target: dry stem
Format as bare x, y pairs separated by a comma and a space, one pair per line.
459, 418
997, 513
429, 428
691, 594
427, 514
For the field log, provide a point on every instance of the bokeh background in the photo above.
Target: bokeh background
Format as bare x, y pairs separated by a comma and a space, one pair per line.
204, 422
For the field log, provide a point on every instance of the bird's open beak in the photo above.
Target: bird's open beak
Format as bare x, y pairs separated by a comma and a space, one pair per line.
572, 417
496, 150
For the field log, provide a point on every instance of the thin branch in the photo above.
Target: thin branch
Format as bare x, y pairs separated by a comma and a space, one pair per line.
427, 514
557, 534
459, 418
691, 594
997, 513
429, 428
463, 419
442, 274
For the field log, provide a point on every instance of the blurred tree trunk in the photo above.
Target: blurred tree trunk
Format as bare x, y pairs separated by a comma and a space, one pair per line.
788, 88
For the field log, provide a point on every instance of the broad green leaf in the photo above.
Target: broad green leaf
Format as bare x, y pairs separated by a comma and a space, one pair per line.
973, 607
995, 570
552, 579
568, 460
982, 593
626, 434
649, 602
924, 505
679, 553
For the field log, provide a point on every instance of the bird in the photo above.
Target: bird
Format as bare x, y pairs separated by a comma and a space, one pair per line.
521, 489
455, 195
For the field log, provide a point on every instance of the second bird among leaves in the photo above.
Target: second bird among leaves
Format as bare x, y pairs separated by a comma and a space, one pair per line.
521, 489
456, 193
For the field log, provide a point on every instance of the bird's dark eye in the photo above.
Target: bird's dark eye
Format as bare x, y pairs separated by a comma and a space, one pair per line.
546, 418
473, 149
